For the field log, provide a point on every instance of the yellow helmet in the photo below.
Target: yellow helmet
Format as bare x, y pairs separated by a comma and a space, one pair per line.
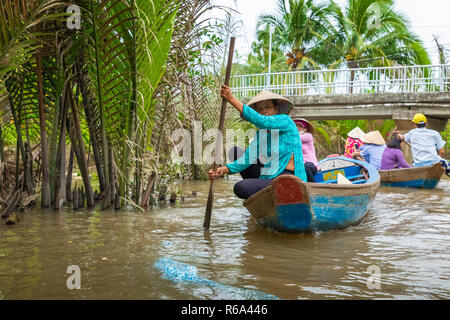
419, 118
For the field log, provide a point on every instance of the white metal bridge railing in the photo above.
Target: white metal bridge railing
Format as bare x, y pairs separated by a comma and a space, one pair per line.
399, 79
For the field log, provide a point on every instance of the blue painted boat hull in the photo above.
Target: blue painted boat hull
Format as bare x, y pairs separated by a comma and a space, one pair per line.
418, 177
323, 214
420, 183
293, 206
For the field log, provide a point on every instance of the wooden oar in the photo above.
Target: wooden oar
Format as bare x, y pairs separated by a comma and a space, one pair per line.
218, 140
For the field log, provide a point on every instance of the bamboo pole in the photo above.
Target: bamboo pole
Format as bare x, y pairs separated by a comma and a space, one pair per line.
218, 140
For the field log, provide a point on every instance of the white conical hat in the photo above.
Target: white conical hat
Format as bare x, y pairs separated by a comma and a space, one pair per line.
284, 105
373, 137
356, 133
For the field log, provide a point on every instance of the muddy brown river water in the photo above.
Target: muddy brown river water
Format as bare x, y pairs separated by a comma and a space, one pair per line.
401, 250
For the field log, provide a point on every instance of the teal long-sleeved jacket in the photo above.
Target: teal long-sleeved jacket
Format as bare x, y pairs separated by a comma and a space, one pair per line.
276, 140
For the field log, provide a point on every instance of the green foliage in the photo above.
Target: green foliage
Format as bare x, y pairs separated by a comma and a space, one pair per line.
364, 33
295, 24
372, 33
127, 44
110, 69
446, 137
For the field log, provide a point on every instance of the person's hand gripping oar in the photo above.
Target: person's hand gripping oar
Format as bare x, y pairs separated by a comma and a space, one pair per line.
219, 145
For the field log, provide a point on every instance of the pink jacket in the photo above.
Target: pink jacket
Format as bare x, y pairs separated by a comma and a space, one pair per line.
309, 152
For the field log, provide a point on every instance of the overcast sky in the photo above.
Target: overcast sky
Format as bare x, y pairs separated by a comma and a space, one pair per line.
427, 18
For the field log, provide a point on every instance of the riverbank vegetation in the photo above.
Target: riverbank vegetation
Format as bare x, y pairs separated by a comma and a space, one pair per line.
91, 91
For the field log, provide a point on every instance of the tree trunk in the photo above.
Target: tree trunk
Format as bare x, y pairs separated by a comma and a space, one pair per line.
195, 169
138, 177
151, 181
82, 81
62, 171
28, 170
2, 151
12, 204
352, 78
60, 163
95, 148
138, 133
69, 195
96, 39
112, 187
54, 149
17, 166
45, 189
20, 145
352, 65
78, 147
75, 200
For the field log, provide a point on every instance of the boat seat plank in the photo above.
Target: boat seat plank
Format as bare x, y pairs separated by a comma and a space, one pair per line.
330, 176
349, 178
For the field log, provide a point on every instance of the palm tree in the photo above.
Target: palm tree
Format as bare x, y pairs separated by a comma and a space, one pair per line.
371, 33
59, 81
127, 46
25, 30
295, 27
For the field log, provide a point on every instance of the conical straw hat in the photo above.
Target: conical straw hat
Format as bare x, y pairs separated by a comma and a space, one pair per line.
356, 133
284, 105
373, 137
308, 124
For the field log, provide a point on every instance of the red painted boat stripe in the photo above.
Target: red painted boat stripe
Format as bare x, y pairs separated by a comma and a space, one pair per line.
287, 191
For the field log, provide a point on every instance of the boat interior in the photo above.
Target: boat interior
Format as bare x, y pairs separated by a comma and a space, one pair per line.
341, 172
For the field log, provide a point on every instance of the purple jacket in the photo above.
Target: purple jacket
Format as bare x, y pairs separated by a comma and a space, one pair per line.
393, 159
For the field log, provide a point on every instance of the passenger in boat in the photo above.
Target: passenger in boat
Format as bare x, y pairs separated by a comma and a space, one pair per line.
353, 142
372, 150
306, 131
277, 143
392, 156
427, 145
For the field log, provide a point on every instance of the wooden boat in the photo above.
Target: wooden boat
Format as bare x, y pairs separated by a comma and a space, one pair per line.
291, 205
420, 177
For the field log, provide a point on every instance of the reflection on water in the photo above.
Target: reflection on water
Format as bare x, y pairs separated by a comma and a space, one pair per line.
406, 235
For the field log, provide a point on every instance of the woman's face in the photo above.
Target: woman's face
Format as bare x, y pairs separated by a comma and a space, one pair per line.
301, 129
266, 108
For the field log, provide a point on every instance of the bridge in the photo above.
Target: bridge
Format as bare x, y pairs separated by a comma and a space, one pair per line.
366, 93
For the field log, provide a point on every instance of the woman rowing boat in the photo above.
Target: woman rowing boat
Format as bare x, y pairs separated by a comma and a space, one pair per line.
277, 142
